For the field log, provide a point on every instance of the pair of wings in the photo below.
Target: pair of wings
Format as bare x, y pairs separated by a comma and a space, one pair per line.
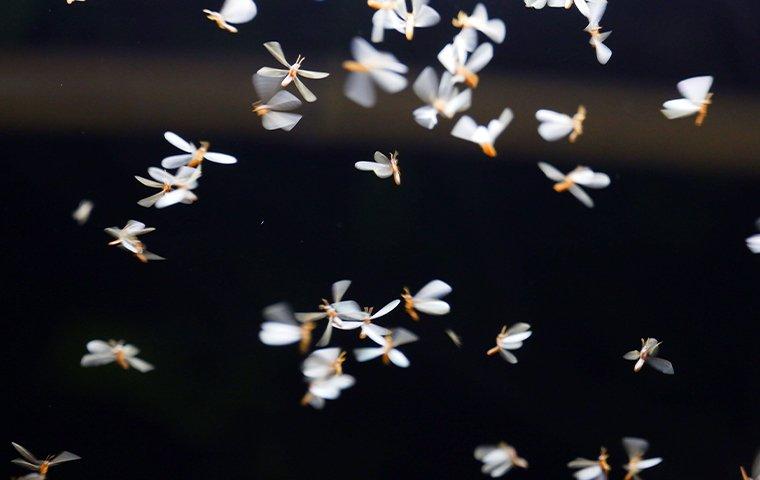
277, 102
427, 299
133, 228
554, 125
276, 50
695, 91
330, 388
383, 69
176, 161
496, 461
467, 129
238, 11
581, 175
424, 15
31, 462
381, 167
494, 29
454, 56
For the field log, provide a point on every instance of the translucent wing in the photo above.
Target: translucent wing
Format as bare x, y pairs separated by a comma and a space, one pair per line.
176, 161
161, 175
635, 447
583, 7
324, 340
276, 50
373, 330
432, 307
661, 365
465, 128
459, 103
468, 38
390, 82
140, 365
398, 358
480, 57
581, 195
649, 463
312, 74
508, 356
755, 470
434, 289
603, 52
379, 21
596, 11
359, 88
364, 354
220, 158
426, 85
448, 58
632, 355
386, 309
495, 127
310, 317
98, 346
381, 158
483, 450
25, 453
238, 11
171, 198
283, 101
426, 17
589, 473
554, 125
597, 180
272, 72
97, 359
179, 142
382, 171
148, 183
679, 108
25, 464
150, 201
265, 86
403, 336
282, 120
695, 89
426, 116
274, 333
307, 94
339, 289
279, 312
517, 337
495, 29
581, 463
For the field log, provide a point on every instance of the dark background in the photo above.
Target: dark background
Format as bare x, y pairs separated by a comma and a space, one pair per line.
661, 255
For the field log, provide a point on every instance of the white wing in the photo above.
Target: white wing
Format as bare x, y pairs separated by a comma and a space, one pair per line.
160, 175
265, 86
220, 158
465, 128
448, 58
391, 82
508, 356
179, 142
432, 307
426, 116
150, 201
426, 17
238, 11
276, 50
283, 101
635, 447
64, 457
275, 333
589, 473
279, 312
468, 38
480, 57
581, 195
517, 337
554, 125
359, 88
98, 346
649, 463
176, 161
386, 309
97, 359
597, 180
433, 289
140, 365
307, 94
175, 196
679, 108
661, 365
382, 171
426, 85
364, 354
495, 127
398, 358
312, 74
596, 11
695, 88
603, 52
283, 120
403, 336
459, 103
339, 289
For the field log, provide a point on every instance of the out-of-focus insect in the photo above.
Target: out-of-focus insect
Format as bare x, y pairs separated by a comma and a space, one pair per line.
755, 470
467, 129
382, 18
697, 99
233, 11
292, 73
596, 10
441, 98
273, 105
582, 5
463, 66
647, 354
126, 238
194, 156
556, 125
125, 356
174, 188
281, 328
383, 166
388, 349
753, 242
454, 337
326, 389
421, 16
498, 459
82, 212
510, 339
324, 363
363, 320
72, 1
427, 300
494, 28
570, 182
636, 448
592, 469
371, 67
332, 311
41, 467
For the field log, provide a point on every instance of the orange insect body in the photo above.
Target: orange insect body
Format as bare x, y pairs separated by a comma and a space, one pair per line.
409, 304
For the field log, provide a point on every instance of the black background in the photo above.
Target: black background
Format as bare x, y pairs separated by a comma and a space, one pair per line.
661, 255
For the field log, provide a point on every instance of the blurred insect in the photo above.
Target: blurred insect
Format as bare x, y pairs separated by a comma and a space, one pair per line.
441, 98
463, 66
755, 470
647, 354
596, 10
383, 166
382, 18
332, 311
233, 11
363, 320
194, 156
498, 459
82, 212
281, 328
592, 469
582, 5
698, 98
421, 16
494, 28
126, 238
292, 73
557, 125
324, 363
41, 467
427, 300
326, 389
371, 67
510, 339
570, 182
273, 105
102, 353
72, 1
174, 188
467, 129
388, 351
454, 337
636, 448
753, 242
